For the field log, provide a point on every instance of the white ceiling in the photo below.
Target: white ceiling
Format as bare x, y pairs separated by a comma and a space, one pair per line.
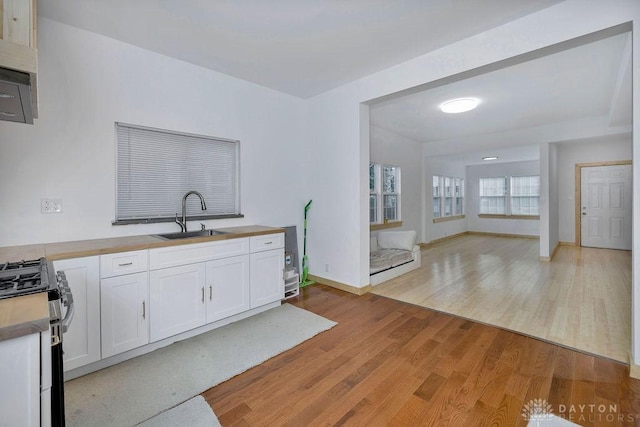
306, 47
589, 84
300, 47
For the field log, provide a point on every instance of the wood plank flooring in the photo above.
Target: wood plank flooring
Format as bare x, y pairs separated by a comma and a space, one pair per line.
582, 299
387, 362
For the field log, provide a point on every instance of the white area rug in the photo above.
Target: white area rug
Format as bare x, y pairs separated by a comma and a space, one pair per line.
138, 389
194, 412
550, 421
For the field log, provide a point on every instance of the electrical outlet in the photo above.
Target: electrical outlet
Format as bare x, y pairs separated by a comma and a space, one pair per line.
48, 205
326, 268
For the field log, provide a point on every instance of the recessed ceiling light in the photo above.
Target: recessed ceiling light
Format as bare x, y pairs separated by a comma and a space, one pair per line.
490, 158
459, 105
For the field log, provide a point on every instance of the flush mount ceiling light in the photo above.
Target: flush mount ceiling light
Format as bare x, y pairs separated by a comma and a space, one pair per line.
459, 105
490, 158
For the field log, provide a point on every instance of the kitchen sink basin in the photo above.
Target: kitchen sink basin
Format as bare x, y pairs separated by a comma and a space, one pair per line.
188, 234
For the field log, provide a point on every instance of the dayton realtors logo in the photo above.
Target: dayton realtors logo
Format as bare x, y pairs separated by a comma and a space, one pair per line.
540, 412
537, 410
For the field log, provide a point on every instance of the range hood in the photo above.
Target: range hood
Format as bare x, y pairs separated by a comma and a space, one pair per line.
15, 96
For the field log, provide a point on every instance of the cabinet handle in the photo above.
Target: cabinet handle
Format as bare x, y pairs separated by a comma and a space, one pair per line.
203, 294
144, 310
268, 243
125, 264
210, 292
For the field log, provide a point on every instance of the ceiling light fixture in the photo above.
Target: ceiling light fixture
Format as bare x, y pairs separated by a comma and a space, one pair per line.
459, 105
490, 158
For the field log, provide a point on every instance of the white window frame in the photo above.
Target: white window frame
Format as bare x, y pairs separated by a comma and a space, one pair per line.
374, 194
508, 196
156, 167
447, 197
377, 194
499, 193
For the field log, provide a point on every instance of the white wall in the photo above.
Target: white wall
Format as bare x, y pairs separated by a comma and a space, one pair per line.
334, 115
554, 232
335, 135
390, 148
526, 227
86, 82
617, 147
439, 230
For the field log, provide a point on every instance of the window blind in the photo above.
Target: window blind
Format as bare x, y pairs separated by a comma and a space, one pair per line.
493, 197
525, 195
155, 168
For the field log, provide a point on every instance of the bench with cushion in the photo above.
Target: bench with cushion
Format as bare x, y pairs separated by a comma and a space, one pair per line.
392, 253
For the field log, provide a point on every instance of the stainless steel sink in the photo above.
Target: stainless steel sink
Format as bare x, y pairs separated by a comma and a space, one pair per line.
188, 234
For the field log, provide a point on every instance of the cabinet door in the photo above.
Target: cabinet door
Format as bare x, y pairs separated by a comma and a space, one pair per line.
177, 300
124, 313
267, 284
227, 291
81, 342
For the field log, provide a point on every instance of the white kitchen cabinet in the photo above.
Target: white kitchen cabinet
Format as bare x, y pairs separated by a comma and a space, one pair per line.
20, 379
120, 263
267, 282
173, 256
177, 300
18, 41
81, 343
227, 291
124, 312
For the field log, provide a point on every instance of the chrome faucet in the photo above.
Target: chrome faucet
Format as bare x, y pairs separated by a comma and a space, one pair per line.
183, 223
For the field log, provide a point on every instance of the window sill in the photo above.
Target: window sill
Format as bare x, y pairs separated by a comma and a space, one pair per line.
448, 218
494, 216
390, 224
172, 219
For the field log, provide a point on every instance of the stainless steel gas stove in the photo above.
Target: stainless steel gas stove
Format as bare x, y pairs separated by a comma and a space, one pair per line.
26, 277
32, 276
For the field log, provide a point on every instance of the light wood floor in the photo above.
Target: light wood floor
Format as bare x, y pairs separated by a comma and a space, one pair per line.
389, 363
582, 299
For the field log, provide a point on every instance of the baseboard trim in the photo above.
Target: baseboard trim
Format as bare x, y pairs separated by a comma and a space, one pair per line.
519, 236
567, 243
342, 286
549, 258
442, 239
634, 370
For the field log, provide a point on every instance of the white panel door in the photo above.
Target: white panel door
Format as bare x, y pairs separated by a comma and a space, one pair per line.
124, 312
267, 281
227, 291
81, 343
606, 198
177, 300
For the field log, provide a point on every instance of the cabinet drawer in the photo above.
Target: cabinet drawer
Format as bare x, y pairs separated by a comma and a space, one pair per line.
199, 252
123, 263
267, 242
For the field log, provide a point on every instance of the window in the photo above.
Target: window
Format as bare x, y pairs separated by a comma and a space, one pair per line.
391, 192
384, 193
448, 196
515, 195
437, 194
525, 195
459, 197
493, 195
373, 194
155, 168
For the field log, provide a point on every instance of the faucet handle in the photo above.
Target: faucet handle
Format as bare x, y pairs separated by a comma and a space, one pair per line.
202, 226
182, 225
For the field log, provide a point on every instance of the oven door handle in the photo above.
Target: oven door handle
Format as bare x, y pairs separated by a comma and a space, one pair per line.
66, 297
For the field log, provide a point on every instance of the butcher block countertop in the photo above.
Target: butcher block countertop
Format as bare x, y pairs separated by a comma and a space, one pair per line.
30, 313
24, 315
82, 248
